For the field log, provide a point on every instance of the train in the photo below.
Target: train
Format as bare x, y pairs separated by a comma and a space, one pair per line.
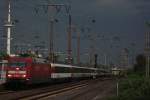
30, 70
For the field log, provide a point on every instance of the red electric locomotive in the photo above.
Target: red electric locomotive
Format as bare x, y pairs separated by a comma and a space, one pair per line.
27, 70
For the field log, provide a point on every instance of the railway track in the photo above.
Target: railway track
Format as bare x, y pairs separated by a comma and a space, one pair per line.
57, 92
43, 95
6, 92
16, 95
40, 93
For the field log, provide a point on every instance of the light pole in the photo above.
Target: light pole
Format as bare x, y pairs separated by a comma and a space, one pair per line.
8, 26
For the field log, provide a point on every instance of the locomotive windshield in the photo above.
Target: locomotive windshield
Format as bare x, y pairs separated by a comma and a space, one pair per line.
17, 64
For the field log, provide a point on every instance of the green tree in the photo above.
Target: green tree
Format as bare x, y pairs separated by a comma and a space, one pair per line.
140, 63
3, 55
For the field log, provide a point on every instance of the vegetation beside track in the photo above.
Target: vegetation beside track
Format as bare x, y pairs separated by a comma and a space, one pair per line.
134, 87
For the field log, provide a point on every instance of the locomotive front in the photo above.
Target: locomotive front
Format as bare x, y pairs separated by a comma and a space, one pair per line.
17, 69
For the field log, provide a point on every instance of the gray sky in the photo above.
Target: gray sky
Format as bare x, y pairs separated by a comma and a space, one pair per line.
118, 24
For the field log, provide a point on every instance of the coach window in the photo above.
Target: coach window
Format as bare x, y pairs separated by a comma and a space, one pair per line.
62, 70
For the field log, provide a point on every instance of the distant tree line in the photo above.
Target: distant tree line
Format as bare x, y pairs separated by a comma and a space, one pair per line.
140, 63
3, 55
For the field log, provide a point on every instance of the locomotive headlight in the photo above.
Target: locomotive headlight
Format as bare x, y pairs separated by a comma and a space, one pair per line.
24, 76
27, 79
17, 68
9, 75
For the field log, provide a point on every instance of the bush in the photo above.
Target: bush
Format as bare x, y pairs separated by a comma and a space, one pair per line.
3, 55
134, 88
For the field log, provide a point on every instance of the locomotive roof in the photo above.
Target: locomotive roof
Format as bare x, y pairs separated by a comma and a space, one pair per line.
18, 58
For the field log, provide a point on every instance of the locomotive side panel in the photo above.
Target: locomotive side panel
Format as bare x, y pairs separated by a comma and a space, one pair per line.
40, 73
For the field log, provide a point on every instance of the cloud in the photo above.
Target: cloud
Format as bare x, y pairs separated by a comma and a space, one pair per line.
110, 2
112, 16
142, 6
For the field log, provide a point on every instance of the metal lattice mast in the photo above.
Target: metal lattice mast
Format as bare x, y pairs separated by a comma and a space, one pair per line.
75, 29
78, 47
51, 32
91, 50
69, 32
8, 26
125, 58
147, 52
69, 40
51, 41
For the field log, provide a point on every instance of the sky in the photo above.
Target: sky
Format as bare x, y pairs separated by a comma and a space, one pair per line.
112, 25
